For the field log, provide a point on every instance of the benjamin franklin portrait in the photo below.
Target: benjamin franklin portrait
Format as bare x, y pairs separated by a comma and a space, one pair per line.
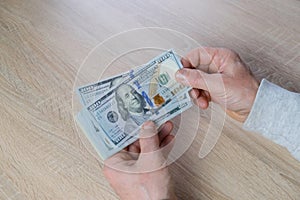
131, 104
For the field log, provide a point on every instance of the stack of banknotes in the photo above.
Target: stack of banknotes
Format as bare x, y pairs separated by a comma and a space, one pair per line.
115, 108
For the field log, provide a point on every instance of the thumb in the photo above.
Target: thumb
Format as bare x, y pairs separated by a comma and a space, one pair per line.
194, 78
149, 140
151, 158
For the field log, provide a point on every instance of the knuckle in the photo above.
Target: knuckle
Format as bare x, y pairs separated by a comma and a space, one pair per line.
198, 78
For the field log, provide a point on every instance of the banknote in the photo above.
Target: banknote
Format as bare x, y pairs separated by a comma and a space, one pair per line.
91, 92
149, 92
138, 97
101, 142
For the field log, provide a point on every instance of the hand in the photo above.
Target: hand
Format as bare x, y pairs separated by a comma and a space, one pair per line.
141, 172
219, 75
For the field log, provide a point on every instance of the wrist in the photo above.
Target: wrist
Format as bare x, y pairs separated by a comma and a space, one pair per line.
165, 194
162, 191
247, 98
250, 98
240, 117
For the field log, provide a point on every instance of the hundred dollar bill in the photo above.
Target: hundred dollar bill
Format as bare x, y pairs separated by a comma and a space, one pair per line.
91, 92
102, 143
149, 92
138, 97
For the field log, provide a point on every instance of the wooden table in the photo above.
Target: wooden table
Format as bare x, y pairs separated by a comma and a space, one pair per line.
43, 43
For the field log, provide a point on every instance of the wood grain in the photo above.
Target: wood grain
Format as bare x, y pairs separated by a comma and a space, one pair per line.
43, 154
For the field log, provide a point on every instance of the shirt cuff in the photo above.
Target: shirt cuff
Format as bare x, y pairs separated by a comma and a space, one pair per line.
275, 114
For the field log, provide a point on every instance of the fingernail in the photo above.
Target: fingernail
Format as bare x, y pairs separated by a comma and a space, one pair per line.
179, 75
148, 125
194, 94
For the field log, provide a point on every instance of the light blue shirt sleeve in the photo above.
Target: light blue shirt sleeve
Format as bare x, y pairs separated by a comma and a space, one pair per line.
276, 115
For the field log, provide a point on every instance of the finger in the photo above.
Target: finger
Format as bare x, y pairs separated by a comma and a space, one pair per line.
167, 141
163, 126
194, 78
186, 63
206, 93
202, 102
166, 146
134, 149
126, 148
150, 158
194, 93
203, 99
118, 158
203, 58
149, 140
134, 152
121, 162
137, 144
165, 130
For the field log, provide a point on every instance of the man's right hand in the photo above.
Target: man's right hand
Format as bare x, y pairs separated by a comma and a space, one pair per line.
219, 75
